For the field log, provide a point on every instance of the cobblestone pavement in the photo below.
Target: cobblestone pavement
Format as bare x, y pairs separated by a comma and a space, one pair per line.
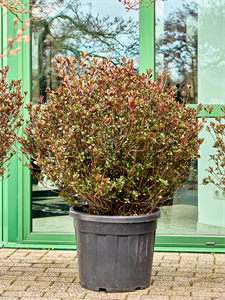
43, 274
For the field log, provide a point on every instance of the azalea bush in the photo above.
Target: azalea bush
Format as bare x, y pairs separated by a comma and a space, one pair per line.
118, 140
11, 100
217, 131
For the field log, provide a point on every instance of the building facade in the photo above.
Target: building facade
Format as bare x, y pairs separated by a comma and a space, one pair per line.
183, 38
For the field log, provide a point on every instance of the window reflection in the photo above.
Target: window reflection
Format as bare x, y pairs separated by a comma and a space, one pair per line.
177, 44
211, 45
190, 38
101, 28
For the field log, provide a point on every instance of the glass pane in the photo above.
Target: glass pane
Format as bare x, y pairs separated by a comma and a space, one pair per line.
190, 37
177, 44
101, 28
211, 55
200, 209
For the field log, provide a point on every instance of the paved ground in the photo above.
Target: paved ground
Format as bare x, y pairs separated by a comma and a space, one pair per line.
42, 274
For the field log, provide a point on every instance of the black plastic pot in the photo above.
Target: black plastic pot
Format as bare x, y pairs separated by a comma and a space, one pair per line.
115, 253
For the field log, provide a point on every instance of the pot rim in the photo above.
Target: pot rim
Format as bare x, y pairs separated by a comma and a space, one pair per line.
115, 219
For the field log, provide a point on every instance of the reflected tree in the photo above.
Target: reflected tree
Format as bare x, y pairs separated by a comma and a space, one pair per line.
176, 48
71, 28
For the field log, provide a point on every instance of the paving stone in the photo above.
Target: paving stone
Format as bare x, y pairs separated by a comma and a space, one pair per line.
203, 284
56, 279
158, 255
106, 296
171, 254
21, 294
168, 265
26, 277
13, 260
61, 265
12, 273
74, 288
220, 265
43, 274
182, 284
4, 269
175, 274
190, 256
73, 266
46, 260
220, 289
43, 298
219, 271
16, 287
64, 295
219, 257
204, 274
63, 285
8, 263
193, 289
38, 288
8, 277
164, 278
157, 260
182, 279
170, 261
24, 250
188, 298
162, 282
18, 254
58, 270
39, 265
55, 253
205, 264
7, 251
218, 279
205, 257
67, 275
140, 292
10, 298
6, 281
204, 270
144, 297
213, 295
71, 298
201, 279
25, 269
37, 251
171, 293
186, 269
46, 278
34, 283
3, 286
187, 263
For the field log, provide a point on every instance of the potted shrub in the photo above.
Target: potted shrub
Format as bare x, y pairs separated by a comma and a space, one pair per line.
11, 100
122, 144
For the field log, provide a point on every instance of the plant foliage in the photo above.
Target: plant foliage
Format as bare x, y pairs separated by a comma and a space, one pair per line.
217, 131
118, 140
11, 100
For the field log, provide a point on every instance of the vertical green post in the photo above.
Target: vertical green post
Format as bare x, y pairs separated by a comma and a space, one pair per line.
147, 38
13, 188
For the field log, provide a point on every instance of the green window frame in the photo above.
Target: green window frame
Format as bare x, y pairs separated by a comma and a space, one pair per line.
15, 192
